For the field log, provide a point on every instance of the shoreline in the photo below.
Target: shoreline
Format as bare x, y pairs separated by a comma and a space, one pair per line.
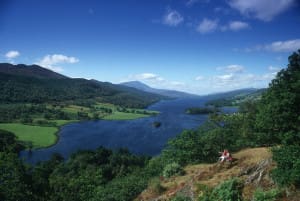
149, 133
57, 135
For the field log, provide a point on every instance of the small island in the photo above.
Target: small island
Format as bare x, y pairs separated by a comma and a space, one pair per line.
201, 110
156, 124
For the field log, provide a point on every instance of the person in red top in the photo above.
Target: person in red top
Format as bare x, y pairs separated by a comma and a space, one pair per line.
225, 156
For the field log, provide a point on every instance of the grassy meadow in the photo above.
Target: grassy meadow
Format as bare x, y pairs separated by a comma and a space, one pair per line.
39, 136
61, 122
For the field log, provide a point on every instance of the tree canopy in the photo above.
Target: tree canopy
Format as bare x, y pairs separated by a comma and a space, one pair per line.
279, 111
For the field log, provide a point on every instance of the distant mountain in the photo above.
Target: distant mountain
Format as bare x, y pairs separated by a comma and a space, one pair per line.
137, 85
163, 92
235, 98
228, 94
34, 84
29, 70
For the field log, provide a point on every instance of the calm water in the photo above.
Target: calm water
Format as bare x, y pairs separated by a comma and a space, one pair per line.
139, 136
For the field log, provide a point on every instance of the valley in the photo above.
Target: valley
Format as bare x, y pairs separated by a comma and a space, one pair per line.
156, 152
166, 100
36, 102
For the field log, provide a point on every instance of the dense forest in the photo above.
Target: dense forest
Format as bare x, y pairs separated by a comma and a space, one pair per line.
108, 175
87, 175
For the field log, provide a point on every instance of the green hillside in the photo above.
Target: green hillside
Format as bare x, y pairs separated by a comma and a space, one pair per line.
25, 89
235, 99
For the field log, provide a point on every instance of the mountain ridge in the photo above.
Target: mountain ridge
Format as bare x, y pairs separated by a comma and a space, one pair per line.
165, 92
29, 70
134, 89
35, 84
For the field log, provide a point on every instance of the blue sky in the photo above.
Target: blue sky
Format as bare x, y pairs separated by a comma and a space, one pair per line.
198, 46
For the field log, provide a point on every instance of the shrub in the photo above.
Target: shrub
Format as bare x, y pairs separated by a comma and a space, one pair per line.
287, 171
271, 195
180, 197
229, 190
204, 191
155, 166
155, 187
172, 169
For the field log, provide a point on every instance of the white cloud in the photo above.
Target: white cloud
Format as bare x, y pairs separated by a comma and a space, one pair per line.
283, 46
223, 81
176, 83
147, 76
237, 81
264, 10
273, 69
207, 26
225, 78
234, 68
277, 46
192, 2
57, 58
230, 77
235, 26
50, 61
238, 25
199, 78
12, 54
267, 76
156, 81
172, 18
235, 77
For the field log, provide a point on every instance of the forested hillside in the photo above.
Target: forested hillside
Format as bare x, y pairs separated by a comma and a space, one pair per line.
34, 84
237, 97
29, 71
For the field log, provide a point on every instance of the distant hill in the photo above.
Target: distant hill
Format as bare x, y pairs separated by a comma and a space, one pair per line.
29, 70
228, 94
234, 98
163, 92
34, 84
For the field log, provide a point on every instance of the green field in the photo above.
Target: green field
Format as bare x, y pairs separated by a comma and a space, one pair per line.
124, 116
106, 105
75, 108
38, 135
60, 123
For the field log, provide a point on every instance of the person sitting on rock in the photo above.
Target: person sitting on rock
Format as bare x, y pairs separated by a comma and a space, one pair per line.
225, 156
